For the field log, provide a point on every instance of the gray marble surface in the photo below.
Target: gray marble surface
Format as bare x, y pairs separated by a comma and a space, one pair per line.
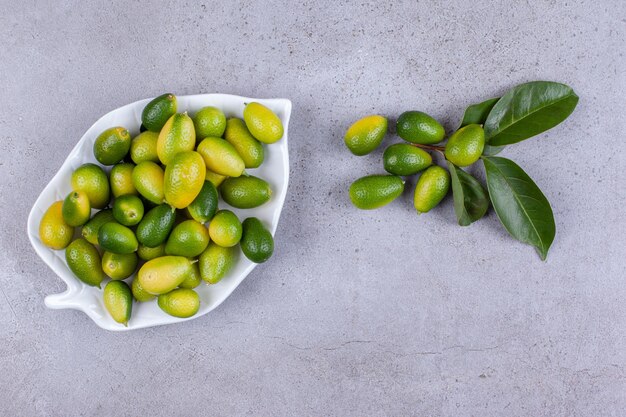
375, 313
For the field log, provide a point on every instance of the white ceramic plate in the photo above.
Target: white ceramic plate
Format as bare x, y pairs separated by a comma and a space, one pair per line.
79, 296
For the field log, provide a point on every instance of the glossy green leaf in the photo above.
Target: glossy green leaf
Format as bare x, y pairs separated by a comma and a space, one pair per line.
519, 203
477, 113
492, 150
527, 110
470, 197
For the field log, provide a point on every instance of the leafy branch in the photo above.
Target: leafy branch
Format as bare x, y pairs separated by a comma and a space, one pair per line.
485, 130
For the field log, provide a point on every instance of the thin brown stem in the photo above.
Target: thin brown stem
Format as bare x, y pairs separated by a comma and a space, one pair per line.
429, 147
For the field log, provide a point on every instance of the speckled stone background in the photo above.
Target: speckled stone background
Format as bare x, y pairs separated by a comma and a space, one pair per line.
375, 313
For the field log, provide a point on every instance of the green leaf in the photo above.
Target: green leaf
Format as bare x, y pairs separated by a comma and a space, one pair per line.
519, 203
470, 197
527, 110
492, 150
477, 113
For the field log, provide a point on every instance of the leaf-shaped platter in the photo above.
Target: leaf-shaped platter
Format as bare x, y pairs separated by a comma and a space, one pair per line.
79, 296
